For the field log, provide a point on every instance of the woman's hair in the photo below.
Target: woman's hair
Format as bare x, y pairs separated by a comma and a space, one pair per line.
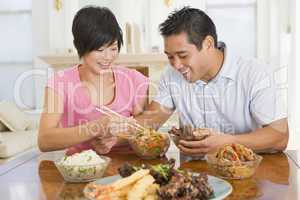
194, 22
94, 27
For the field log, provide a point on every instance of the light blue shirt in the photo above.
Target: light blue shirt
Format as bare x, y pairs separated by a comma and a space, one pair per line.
241, 98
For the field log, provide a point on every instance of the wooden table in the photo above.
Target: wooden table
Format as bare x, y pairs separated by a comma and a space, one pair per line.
276, 178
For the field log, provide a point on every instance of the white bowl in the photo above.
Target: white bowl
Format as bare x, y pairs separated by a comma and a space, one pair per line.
82, 173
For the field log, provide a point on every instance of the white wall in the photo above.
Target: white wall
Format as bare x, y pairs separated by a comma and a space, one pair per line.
41, 44
52, 31
147, 14
12, 90
16, 52
158, 12
242, 40
294, 77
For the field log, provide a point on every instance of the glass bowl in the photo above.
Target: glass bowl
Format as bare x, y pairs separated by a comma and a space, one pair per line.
150, 147
233, 169
82, 173
175, 139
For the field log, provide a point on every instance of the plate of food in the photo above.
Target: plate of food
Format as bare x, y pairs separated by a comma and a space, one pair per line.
160, 181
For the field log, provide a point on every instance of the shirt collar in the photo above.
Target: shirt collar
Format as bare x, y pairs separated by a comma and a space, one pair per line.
228, 69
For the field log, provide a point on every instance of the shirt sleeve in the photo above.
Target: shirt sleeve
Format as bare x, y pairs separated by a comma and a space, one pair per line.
164, 95
141, 85
267, 104
56, 83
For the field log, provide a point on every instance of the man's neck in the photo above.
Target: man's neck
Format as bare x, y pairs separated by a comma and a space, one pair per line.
216, 65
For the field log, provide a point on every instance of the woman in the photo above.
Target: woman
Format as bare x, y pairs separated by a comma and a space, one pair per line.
70, 119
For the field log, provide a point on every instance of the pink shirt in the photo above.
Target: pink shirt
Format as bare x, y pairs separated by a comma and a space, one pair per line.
130, 88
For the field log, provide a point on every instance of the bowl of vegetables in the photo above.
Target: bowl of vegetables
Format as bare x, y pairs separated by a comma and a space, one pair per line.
149, 144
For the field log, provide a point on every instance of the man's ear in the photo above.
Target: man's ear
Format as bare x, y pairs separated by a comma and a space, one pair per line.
208, 42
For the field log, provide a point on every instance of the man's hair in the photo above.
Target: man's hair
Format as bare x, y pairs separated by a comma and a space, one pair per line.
192, 21
94, 27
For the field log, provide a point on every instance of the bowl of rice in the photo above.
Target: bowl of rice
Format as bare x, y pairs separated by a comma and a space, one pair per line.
85, 166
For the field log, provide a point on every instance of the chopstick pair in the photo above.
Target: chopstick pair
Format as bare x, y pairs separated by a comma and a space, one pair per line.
112, 113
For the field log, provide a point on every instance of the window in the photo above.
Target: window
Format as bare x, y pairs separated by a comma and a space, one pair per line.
16, 33
16, 55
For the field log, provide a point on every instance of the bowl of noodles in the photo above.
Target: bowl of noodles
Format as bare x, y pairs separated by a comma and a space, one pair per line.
149, 144
234, 161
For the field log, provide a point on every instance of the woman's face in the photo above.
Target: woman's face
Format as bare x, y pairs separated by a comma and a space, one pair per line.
101, 59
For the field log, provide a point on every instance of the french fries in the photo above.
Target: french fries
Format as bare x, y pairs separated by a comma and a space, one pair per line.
130, 179
151, 190
139, 186
151, 197
124, 191
138, 191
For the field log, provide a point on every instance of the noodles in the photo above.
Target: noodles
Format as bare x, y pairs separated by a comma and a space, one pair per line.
235, 153
234, 161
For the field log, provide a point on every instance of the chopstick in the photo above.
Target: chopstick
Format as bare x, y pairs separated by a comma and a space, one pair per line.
111, 113
123, 117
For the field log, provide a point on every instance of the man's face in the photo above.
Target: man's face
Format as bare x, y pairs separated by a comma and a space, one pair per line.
186, 58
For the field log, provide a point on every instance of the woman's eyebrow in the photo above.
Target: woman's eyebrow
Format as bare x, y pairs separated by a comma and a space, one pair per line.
113, 44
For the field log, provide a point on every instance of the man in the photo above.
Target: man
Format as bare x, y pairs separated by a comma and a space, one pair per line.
212, 88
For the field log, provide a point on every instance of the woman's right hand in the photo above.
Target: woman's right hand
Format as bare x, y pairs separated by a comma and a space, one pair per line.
103, 145
100, 139
104, 140
115, 127
119, 126
97, 128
